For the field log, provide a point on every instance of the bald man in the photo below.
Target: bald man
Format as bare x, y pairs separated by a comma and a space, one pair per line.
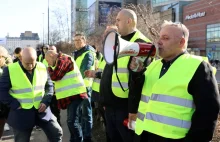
27, 88
70, 90
53, 105
120, 98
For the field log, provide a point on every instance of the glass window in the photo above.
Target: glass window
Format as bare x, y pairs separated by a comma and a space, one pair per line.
213, 33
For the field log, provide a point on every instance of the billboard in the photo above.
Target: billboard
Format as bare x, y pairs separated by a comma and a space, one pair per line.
2, 41
105, 9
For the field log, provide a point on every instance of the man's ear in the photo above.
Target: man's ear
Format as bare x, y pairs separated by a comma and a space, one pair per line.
129, 21
182, 41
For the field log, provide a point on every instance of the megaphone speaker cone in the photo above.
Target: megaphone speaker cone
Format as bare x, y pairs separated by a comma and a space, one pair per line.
109, 47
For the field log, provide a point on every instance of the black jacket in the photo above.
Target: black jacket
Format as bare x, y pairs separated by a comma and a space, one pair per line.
23, 119
129, 104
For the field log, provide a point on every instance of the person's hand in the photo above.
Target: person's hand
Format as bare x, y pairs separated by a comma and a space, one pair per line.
108, 29
42, 107
90, 73
136, 65
19, 107
131, 117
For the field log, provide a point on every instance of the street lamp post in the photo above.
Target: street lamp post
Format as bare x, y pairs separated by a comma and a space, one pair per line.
43, 29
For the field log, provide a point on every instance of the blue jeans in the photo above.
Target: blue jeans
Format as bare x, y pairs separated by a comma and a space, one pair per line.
51, 128
73, 120
87, 117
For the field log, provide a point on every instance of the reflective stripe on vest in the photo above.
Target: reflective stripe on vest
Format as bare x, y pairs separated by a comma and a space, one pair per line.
87, 81
168, 99
168, 120
96, 81
71, 84
122, 71
166, 105
26, 90
27, 94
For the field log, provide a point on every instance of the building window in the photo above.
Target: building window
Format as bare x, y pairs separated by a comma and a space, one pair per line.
213, 33
158, 2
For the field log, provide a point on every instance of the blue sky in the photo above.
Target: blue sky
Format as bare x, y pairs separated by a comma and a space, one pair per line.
22, 15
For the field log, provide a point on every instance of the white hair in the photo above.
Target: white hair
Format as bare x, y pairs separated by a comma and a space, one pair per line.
181, 27
3, 51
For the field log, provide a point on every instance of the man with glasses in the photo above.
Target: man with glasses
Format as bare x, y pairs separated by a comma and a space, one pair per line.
180, 97
85, 60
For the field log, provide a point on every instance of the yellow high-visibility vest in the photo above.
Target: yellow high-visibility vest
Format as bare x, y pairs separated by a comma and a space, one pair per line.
71, 84
123, 72
166, 107
43, 60
27, 94
96, 81
87, 81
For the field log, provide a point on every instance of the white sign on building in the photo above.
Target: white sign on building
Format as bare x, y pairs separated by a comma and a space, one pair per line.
195, 15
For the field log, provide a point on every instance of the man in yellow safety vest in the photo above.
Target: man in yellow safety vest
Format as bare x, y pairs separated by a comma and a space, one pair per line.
27, 88
180, 97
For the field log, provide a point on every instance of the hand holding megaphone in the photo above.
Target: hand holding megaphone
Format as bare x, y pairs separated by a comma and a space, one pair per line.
136, 64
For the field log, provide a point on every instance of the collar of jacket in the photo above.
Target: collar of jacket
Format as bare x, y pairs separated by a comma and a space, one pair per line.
82, 50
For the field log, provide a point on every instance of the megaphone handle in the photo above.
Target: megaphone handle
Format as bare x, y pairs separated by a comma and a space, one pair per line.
145, 61
136, 60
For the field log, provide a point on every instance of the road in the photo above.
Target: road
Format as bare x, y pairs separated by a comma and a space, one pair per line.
39, 136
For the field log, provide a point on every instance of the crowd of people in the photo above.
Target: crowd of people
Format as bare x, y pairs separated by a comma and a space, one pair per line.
171, 99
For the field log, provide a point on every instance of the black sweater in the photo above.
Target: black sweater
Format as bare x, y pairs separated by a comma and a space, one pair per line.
109, 99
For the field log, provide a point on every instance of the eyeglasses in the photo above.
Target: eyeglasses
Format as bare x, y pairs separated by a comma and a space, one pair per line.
179, 23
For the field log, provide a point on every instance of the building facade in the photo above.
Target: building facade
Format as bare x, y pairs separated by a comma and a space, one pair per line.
202, 20
26, 39
79, 16
96, 11
3, 42
158, 3
29, 39
12, 43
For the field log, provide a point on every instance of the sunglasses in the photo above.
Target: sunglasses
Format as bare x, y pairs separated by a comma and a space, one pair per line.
45, 48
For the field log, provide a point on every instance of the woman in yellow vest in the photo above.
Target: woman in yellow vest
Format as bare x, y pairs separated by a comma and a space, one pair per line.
41, 57
180, 98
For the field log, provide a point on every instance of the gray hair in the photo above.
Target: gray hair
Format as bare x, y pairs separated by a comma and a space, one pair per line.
3, 51
181, 27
